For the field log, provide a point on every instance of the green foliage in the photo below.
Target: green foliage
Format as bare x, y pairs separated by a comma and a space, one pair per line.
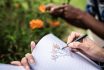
15, 33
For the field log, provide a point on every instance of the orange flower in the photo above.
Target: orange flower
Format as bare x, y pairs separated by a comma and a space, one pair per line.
36, 23
54, 23
42, 8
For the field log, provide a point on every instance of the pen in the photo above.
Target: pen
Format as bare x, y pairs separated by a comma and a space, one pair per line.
76, 40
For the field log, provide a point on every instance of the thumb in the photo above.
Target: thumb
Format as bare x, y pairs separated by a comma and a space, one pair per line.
32, 45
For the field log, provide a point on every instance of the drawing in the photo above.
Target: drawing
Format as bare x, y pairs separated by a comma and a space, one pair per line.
57, 52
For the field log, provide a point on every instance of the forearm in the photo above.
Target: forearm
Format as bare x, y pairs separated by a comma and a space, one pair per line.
95, 53
96, 26
77, 23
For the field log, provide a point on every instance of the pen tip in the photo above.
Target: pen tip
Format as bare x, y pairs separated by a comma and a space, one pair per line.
63, 48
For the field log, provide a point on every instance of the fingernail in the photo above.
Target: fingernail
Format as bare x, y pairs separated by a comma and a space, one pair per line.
31, 61
27, 54
32, 45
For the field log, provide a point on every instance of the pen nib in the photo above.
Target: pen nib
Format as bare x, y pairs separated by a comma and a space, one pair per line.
64, 47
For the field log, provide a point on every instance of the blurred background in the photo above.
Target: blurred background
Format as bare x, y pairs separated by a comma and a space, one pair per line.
23, 21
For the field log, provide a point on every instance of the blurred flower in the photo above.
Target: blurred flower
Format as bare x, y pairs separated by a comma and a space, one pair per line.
36, 23
42, 8
54, 23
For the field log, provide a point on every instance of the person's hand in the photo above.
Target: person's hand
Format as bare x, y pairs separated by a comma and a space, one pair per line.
55, 10
25, 61
87, 47
69, 13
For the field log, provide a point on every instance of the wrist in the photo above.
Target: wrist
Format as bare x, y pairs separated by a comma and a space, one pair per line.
88, 20
84, 17
101, 55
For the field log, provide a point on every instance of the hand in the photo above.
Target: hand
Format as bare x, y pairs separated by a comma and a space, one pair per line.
87, 47
76, 17
71, 14
68, 11
55, 10
25, 61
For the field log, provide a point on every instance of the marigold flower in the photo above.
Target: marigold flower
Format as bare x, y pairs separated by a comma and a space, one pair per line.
42, 8
36, 23
54, 23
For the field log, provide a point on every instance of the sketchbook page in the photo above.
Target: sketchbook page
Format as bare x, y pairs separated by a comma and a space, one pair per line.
10, 67
49, 56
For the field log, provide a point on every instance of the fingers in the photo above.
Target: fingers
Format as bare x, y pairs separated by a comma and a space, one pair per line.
30, 58
32, 45
57, 9
49, 6
64, 11
73, 36
18, 63
75, 45
68, 7
24, 62
79, 46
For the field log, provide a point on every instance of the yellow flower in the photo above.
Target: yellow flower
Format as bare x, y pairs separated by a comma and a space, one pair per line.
36, 24
54, 23
42, 8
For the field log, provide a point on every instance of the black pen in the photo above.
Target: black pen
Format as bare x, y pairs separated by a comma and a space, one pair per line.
76, 40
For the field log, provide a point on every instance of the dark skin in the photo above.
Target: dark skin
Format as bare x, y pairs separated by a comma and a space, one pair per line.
78, 18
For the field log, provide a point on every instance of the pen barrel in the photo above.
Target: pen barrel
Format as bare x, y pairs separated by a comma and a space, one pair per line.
80, 38
76, 40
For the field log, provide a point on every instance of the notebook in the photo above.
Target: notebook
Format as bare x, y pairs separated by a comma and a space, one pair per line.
49, 56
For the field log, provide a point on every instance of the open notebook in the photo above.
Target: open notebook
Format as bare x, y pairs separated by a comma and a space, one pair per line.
49, 56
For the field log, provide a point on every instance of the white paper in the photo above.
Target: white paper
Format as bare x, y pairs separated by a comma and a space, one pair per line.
10, 67
49, 56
